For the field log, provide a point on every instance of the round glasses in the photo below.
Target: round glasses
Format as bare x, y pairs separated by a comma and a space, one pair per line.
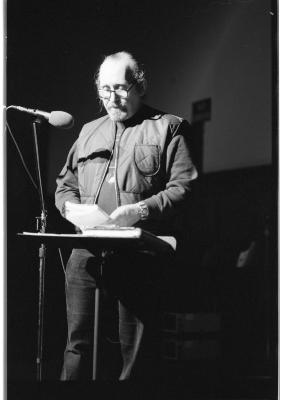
105, 93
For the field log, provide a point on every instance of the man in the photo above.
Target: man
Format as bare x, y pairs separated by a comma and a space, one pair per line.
135, 164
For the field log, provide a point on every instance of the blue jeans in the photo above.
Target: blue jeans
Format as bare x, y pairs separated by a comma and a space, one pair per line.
132, 278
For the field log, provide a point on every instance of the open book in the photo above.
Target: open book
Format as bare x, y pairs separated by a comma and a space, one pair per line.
85, 216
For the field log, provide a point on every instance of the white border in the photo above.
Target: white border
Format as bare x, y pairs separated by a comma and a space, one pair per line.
2, 204
280, 241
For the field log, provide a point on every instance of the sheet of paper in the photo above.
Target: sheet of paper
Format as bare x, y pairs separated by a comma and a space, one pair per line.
85, 216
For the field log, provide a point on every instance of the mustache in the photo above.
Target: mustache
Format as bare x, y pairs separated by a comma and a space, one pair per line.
116, 106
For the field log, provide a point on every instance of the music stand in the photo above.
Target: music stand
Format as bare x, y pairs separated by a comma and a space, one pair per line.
106, 239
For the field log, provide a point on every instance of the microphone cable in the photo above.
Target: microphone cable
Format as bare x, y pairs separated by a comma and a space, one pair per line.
21, 157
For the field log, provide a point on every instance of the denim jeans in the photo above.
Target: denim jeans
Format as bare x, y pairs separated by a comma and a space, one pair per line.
132, 278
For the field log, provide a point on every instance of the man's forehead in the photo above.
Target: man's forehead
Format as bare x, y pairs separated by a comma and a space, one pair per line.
114, 71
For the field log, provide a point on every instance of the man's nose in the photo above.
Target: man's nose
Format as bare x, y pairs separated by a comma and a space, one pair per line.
113, 96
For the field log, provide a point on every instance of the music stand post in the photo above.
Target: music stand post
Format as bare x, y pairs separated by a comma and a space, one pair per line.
95, 326
41, 223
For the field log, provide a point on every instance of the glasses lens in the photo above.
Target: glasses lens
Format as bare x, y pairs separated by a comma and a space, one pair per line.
121, 93
104, 93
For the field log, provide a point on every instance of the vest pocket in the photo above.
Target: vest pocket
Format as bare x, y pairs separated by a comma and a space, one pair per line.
147, 158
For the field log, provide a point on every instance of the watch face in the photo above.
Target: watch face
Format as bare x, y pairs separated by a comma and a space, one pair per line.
143, 210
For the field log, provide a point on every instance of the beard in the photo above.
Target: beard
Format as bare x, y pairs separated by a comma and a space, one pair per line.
117, 113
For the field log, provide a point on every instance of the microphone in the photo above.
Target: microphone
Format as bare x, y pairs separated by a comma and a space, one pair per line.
60, 119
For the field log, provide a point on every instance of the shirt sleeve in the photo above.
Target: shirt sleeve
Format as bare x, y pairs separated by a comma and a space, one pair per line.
67, 182
180, 171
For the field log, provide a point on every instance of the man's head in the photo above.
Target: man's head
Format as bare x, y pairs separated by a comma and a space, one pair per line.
121, 84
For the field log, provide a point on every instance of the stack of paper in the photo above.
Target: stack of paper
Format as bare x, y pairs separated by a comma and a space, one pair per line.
85, 216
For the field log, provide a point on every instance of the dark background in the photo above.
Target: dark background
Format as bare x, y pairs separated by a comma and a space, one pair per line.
193, 50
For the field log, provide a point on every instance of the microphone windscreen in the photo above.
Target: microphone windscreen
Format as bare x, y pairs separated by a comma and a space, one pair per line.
61, 119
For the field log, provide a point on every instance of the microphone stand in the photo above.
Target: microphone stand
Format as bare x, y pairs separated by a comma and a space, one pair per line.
41, 223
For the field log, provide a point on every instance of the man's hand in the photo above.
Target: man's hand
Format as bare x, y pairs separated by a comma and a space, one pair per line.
126, 215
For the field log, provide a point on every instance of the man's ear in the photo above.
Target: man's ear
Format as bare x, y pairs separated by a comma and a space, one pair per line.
143, 88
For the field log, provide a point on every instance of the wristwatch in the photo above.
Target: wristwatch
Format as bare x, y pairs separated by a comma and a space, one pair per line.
143, 210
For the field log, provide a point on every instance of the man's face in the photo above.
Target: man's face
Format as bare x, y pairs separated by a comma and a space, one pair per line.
113, 76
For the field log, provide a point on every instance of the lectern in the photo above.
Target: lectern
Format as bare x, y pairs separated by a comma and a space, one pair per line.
106, 239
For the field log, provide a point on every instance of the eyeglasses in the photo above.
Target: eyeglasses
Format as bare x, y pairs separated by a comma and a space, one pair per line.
105, 93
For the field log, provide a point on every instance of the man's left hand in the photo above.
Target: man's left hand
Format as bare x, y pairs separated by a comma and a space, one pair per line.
126, 215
